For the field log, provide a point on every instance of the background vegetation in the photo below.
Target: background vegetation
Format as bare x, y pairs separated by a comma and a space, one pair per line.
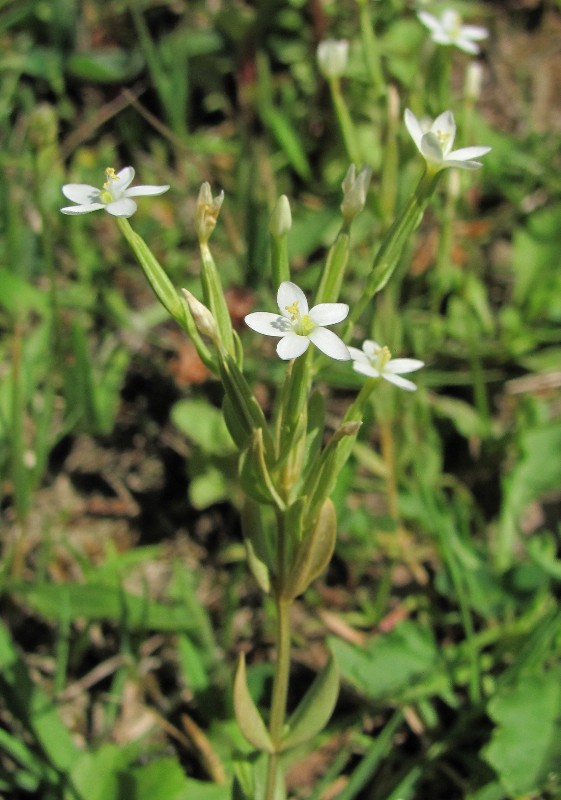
125, 596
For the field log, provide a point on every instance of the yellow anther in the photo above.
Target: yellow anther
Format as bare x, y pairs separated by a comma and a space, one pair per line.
111, 176
442, 137
293, 310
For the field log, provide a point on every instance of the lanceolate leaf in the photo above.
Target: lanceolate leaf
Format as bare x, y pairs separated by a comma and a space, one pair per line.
315, 708
249, 719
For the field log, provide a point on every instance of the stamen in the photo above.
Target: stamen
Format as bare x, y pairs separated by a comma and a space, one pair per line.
442, 137
111, 176
293, 310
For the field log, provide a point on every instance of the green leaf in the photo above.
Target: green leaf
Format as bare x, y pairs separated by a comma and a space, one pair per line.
204, 425
315, 708
258, 552
102, 602
28, 703
526, 745
96, 774
248, 717
388, 663
314, 552
106, 66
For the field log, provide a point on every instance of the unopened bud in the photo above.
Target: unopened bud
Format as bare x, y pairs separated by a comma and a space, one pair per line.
43, 126
473, 81
208, 209
332, 55
354, 191
205, 322
346, 429
281, 218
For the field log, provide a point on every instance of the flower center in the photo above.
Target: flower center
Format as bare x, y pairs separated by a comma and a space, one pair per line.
443, 138
380, 358
107, 196
453, 25
293, 310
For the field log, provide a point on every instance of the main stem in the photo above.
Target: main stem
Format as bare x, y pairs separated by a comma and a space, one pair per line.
280, 691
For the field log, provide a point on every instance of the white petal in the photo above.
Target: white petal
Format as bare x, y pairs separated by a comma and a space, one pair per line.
366, 369
268, 324
475, 32
450, 162
466, 44
330, 344
430, 148
81, 193
468, 153
398, 366
371, 348
288, 294
82, 209
441, 37
329, 313
445, 124
124, 178
403, 383
292, 346
358, 355
414, 127
431, 22
137, 191
122, 207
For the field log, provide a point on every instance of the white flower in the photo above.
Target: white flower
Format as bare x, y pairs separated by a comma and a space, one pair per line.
114, 197
449, 30
435, 143
375, 361
298, 327
332, 55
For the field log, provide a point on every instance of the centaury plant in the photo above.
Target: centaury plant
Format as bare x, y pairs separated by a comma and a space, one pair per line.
288, 467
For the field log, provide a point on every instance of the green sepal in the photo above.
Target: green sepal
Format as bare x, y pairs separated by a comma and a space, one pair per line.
248, 717
254, 474
256, 545
165, 291
315, 708
214, 298
314, 434
334, 272
235, 424
323, 473
244, 412
313, 554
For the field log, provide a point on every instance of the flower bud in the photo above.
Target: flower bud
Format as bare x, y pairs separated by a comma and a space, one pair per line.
332, 55
208, 209
43, 126
473, 81
204, 320
281, 218
354, 191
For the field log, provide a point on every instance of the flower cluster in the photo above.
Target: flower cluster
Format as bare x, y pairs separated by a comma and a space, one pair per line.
297, 327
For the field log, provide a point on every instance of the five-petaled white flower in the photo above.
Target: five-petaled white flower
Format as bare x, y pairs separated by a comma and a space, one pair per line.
115, 196
375, 361
448, 30
298, 327
435, 143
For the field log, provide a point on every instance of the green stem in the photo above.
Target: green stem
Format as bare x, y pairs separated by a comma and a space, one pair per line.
371, 49
280, 691
390, 251
345, 121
